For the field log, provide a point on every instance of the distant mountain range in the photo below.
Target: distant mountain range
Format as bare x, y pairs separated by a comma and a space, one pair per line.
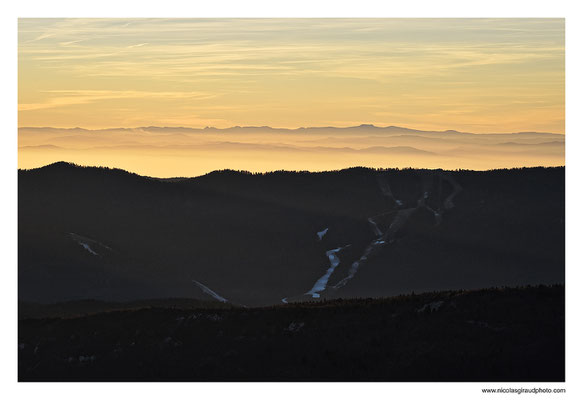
362, 127
170, 152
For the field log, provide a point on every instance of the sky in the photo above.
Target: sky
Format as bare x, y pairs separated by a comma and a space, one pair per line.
474, 75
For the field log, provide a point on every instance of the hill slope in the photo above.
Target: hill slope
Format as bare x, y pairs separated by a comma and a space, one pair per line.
487, 335
252, 239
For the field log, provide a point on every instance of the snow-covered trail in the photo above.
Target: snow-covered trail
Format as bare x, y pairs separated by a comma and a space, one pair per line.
88, 248
375, 227
400, 219
436, 214
322, 282
85, 243
210, 292
381, 240
385, 188
448, 202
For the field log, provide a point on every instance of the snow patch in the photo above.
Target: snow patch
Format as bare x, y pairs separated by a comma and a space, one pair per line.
436, 214
294, 326
85, 243
210, 292
375, 227
214, 317
88, 248
322, 233
433, 306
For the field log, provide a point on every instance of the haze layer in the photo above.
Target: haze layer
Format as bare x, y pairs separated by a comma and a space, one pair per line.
170, 152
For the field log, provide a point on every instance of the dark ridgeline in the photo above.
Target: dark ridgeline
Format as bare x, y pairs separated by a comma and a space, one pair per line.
233, 238
96, 233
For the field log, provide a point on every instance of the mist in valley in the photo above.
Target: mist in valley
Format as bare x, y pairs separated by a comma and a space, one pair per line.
172, 152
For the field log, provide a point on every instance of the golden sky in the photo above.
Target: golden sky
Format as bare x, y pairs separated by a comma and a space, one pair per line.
476, 75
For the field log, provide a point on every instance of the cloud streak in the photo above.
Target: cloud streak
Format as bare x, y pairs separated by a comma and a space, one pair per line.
63, 98
312, 71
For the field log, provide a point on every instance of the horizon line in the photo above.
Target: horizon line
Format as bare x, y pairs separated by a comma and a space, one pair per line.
363, 125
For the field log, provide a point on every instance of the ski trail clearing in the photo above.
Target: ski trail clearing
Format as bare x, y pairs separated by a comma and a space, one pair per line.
321, 283
210, 292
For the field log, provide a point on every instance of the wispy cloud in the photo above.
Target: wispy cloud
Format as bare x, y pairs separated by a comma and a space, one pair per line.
137, 45
62, 98
305, 69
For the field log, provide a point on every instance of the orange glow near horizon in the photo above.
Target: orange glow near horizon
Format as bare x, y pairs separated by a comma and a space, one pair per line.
470, 75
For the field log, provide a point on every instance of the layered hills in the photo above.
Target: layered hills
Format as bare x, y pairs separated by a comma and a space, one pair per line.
174, 151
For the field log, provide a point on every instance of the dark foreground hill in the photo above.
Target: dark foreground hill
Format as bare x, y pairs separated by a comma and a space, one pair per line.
79, 308
487, 335
262, 239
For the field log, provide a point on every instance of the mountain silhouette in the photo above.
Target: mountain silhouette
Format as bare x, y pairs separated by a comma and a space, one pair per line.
112, 235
